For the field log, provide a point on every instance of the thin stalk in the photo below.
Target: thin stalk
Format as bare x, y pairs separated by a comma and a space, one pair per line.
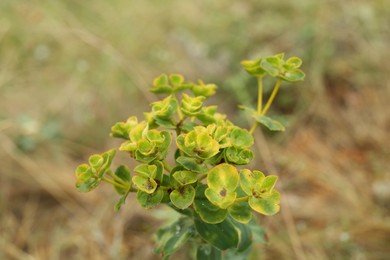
241, 199
116, 178
259, 102
272, 97
167, 167
115, 183
259, 95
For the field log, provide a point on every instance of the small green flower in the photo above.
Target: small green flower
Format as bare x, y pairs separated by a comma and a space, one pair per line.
286, 70
171, 84
122, 129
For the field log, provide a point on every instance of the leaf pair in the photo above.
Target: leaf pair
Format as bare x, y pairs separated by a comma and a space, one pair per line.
183, 182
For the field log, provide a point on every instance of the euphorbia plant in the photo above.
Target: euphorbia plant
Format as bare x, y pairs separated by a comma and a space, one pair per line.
203, 179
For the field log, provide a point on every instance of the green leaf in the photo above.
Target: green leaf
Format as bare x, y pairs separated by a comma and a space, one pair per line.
207, 211
248, 180
223, 176
241, 138
176, 79
86, 179
220, 198
123, 173
183, 197
222, 235
173, 237
208, 252
96, 160
266, 205
149, 200
257, 232
293, 75
241, 212
203, 89
147, 185
254, 68
185, 177
294, 62
245, 236
191, 164
161, 85
270, 123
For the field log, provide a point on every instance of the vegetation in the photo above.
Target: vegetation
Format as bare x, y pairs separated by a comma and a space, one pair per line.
69, 70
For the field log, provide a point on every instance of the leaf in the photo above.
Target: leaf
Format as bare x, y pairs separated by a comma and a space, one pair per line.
293, 75
270, 123
191, 164
241, 138
257, 232
220, 198
208, 252
295, 62
123, 173
241, 212
223, 176
185, 177
266, 205
147, 185
173, 237
248, 179
222, 235
149, 200
96, 160
245, 236
183, 197
207, 211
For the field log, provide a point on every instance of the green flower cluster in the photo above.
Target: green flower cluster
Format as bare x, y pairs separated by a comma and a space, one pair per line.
203, 180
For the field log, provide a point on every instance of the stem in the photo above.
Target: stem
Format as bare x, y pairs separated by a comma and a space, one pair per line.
167, 167
202, 176
115, 183
116, 178
259, 102
272, 97
259, 95
241, 199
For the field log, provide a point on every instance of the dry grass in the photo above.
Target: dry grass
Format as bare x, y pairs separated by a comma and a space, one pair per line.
69, 70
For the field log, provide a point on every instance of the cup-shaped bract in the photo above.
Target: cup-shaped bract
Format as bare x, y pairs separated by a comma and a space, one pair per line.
222, 181
254, 68
202, 89
198, 143
191, 105
260, 189
182, 197
238, 156
122, 129
149, 175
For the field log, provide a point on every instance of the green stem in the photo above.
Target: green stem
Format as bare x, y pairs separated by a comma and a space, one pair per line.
202, 176
272, 97
241, 199
115, 183
167, 167
259, 102
259, 95
116, 178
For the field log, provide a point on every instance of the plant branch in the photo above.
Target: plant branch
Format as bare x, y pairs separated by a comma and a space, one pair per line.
115, 183
272, 97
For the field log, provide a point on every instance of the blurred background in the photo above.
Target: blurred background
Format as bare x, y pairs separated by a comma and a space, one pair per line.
70, 69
